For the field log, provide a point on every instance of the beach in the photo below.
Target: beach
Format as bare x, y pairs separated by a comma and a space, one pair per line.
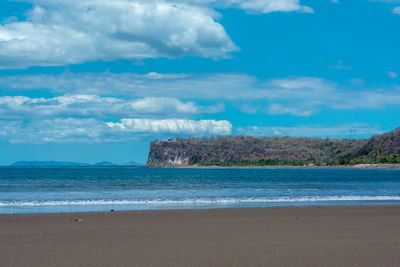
274, 236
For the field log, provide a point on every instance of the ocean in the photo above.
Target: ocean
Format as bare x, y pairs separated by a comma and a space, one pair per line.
83, 189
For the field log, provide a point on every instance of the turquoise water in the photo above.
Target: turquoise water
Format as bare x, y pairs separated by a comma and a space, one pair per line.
37, 190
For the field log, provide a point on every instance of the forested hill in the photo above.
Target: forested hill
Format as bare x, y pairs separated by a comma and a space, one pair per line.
274, 151
379, 146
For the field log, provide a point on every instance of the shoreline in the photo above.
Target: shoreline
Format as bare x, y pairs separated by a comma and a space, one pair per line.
335, 167
273, 236
123, 211
357, 166
293, 205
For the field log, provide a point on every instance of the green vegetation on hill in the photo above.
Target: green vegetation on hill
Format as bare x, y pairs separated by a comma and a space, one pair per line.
275, 151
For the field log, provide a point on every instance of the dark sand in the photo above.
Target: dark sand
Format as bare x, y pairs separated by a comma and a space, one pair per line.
295, 236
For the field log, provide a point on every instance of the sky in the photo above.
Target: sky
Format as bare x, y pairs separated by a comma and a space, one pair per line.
95, 80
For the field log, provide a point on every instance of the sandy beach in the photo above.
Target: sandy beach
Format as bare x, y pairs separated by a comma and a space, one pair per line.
284, 236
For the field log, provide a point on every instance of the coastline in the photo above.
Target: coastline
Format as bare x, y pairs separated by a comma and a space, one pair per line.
357, 166
334, 167
275, 236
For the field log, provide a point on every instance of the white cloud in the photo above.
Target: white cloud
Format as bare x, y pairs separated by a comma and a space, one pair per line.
396, 10
161, 105
63, 32
92, 130
205, 86
313, 94
339, 131
300, 96
66, 32
173, 126
392, 74
94, 106
278, 109
58, 130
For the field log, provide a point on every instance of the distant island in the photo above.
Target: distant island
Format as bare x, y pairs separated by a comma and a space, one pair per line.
230, 151
70, 164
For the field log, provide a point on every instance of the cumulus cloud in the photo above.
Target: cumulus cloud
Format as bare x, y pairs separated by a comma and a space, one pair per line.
338, 131
162, 105
67, 32
92, 130
173, 126
396, 10
62, 32
299, 96
94, 106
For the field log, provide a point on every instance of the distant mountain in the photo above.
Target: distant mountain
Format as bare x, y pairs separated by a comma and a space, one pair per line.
59, 164
104, 164
70, 164
132, 163
47, 164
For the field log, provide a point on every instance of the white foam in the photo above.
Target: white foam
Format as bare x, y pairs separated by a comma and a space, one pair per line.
200, 201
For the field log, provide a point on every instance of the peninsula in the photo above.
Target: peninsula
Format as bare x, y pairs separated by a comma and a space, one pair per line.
231, 151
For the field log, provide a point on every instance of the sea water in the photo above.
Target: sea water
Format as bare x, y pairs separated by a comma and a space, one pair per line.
39, 190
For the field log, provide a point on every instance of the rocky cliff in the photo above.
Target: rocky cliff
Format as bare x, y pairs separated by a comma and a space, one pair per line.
168, 154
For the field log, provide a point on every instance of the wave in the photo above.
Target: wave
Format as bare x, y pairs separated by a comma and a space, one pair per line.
198, 201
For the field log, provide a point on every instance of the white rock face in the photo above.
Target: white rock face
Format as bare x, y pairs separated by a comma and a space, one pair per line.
178, 161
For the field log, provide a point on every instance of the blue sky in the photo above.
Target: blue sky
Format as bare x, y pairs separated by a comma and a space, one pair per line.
98, 80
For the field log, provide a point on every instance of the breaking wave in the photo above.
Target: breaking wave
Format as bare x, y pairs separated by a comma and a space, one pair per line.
198, 201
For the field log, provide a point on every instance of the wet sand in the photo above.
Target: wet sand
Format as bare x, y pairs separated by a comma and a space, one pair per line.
284, 236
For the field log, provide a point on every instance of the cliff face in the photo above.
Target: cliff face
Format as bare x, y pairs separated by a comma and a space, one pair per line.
167, 154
